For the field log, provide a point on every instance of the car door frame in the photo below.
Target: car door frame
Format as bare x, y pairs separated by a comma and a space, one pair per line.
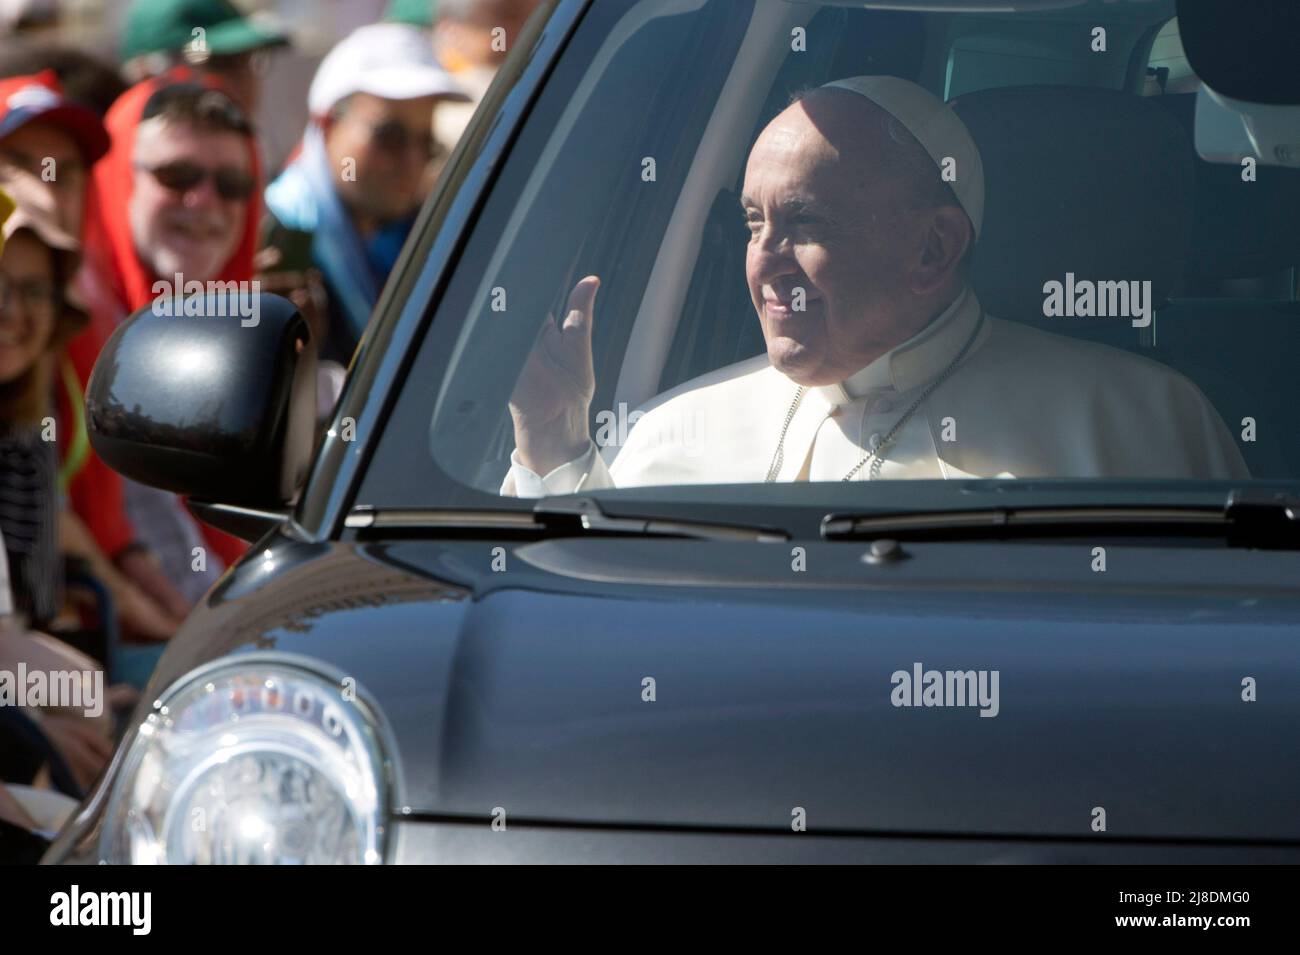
406, 305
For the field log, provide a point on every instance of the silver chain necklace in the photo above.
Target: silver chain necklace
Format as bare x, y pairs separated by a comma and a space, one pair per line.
874, 455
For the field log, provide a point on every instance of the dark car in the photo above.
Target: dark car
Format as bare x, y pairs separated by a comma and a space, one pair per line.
1078, 642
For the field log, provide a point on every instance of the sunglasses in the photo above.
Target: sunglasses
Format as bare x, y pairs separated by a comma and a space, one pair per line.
233, 185
393, 137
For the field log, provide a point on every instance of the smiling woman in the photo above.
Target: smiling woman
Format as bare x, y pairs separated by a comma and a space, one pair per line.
30, 299
35, 318
38, 263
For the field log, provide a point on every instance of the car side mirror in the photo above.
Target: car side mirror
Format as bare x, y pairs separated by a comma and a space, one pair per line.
213, 397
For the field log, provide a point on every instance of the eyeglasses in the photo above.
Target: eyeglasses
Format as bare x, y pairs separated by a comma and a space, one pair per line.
393, 137
233, 185
35, 296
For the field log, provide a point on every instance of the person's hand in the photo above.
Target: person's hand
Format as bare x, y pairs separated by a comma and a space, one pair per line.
141, 568
139, 614
121, 696
554, 391
80, 743
142, 618
305, 288
12, 811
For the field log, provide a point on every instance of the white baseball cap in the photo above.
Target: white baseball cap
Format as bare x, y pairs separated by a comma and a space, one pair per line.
389, 60
936, 127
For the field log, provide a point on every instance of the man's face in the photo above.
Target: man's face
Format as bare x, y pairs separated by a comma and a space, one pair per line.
50, 155
380, 151
240, 74
193, 231
474, 41
826, 217
28, 303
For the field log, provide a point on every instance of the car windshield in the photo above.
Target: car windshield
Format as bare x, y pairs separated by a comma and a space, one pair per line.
809, 245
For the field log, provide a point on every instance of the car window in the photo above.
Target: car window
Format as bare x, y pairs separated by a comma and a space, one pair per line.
990, 250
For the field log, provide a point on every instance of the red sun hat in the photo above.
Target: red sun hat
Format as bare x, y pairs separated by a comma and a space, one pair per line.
39, 97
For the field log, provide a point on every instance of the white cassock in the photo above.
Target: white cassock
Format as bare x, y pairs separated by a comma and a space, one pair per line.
1022, 403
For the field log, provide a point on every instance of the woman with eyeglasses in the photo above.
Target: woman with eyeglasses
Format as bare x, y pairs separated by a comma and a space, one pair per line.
39, 314
36, 318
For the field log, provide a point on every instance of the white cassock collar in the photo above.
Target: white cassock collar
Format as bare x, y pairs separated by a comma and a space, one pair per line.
916, 361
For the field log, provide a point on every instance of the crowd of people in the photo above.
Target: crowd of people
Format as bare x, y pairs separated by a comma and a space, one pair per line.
116, 176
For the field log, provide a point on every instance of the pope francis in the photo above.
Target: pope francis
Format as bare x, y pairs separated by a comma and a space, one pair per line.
880, 361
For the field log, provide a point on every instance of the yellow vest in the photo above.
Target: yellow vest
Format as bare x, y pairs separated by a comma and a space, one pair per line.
6, 207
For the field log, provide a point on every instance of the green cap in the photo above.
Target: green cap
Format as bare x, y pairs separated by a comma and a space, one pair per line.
418, 13
165, 26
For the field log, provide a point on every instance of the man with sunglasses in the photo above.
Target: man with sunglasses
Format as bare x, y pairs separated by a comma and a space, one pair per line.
192, 181
177, 194
344, 207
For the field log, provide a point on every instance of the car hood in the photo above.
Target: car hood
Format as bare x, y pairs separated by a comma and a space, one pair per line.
565, 681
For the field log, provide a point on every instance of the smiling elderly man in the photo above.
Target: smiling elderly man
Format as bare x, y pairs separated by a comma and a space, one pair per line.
880, 361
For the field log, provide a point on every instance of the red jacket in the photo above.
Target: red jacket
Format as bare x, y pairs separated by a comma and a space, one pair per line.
118, 284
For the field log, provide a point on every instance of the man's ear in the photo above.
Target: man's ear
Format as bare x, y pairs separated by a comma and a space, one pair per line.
947, 237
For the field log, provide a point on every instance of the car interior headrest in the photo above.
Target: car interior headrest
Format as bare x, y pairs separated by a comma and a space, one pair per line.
1097, 183
1240, 228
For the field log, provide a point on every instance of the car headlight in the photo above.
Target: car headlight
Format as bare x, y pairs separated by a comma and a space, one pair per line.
251, 761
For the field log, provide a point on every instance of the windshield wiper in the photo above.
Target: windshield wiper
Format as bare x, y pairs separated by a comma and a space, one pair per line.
1251, 517
555, 517
586, 512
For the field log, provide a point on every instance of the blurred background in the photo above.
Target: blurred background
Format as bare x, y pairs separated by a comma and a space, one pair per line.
96, 27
